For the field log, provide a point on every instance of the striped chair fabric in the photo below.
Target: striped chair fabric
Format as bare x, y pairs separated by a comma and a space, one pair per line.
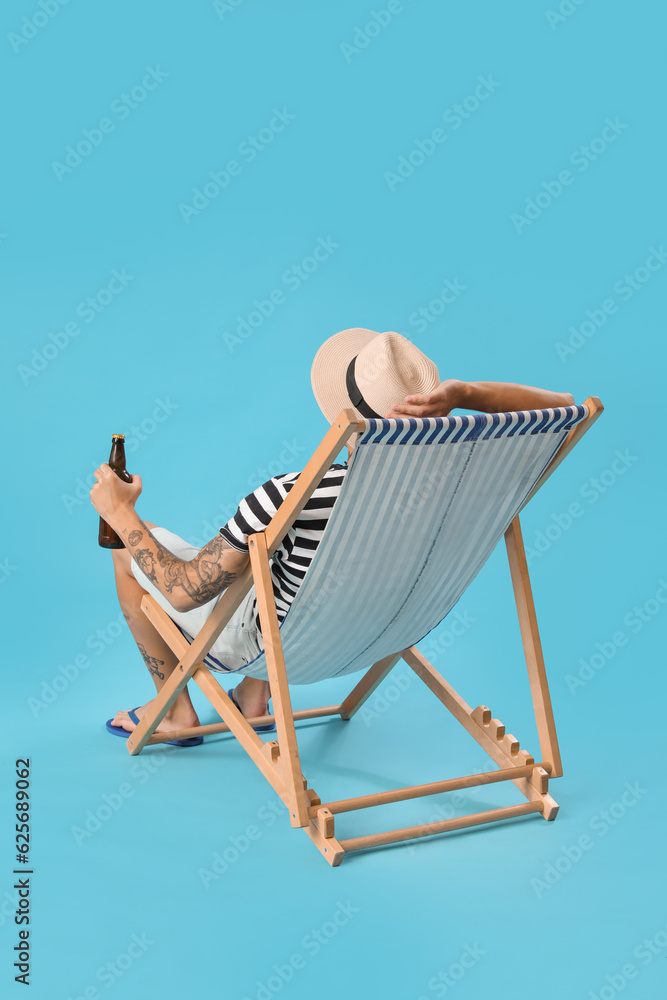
423, 505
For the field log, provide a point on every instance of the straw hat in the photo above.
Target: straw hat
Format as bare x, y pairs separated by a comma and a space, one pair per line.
369, 371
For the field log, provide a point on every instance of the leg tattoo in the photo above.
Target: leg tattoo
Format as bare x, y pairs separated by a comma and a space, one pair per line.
152, 662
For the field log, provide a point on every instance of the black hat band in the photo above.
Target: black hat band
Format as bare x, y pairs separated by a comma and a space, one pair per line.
355, 393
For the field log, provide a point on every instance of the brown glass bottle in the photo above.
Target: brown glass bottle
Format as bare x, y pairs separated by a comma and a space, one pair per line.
107, 537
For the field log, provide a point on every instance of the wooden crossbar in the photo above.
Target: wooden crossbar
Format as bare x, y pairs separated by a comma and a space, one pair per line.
300, 715
443, 826
432, 788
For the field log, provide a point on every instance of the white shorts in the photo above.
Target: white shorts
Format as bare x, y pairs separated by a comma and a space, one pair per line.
238, 644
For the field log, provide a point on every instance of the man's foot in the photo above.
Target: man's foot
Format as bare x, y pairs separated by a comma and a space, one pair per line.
252, 697
180, 719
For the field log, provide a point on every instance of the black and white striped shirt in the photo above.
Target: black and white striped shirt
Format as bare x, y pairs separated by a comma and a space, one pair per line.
295, 554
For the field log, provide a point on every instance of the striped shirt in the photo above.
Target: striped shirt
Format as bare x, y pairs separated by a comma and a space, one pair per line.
290, 562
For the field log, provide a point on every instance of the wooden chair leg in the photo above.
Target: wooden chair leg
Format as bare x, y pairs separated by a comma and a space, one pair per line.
595, 410
190, 661
368, 683
325, 841
275, 662
532, 647
491, 737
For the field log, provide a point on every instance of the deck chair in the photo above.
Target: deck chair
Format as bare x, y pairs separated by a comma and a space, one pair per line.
432, 496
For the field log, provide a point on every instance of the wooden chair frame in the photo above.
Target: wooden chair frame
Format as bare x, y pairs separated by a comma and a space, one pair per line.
279, 760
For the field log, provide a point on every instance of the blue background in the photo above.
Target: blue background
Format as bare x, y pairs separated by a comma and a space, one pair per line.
208, 411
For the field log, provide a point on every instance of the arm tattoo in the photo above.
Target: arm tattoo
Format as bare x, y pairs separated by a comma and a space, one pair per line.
152, 662
202, 579
145, 560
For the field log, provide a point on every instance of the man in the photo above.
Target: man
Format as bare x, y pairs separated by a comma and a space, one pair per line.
378, 375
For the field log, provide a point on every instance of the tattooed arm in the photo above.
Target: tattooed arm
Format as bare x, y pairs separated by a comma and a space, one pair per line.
185, 583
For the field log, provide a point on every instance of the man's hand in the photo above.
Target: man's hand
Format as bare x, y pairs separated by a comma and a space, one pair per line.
111, 497
186, 584
438, 403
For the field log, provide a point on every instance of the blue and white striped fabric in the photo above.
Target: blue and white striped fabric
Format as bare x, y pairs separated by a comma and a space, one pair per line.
410, 531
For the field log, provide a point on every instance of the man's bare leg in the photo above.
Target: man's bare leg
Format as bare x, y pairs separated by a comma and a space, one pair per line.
252, 695
158, 657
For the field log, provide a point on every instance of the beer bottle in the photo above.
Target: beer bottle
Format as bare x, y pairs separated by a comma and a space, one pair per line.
107, 537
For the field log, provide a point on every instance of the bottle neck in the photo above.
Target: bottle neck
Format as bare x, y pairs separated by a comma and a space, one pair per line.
117, 456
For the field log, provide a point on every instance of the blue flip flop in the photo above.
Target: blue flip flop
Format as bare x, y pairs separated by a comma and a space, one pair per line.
258, 729
194, 741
